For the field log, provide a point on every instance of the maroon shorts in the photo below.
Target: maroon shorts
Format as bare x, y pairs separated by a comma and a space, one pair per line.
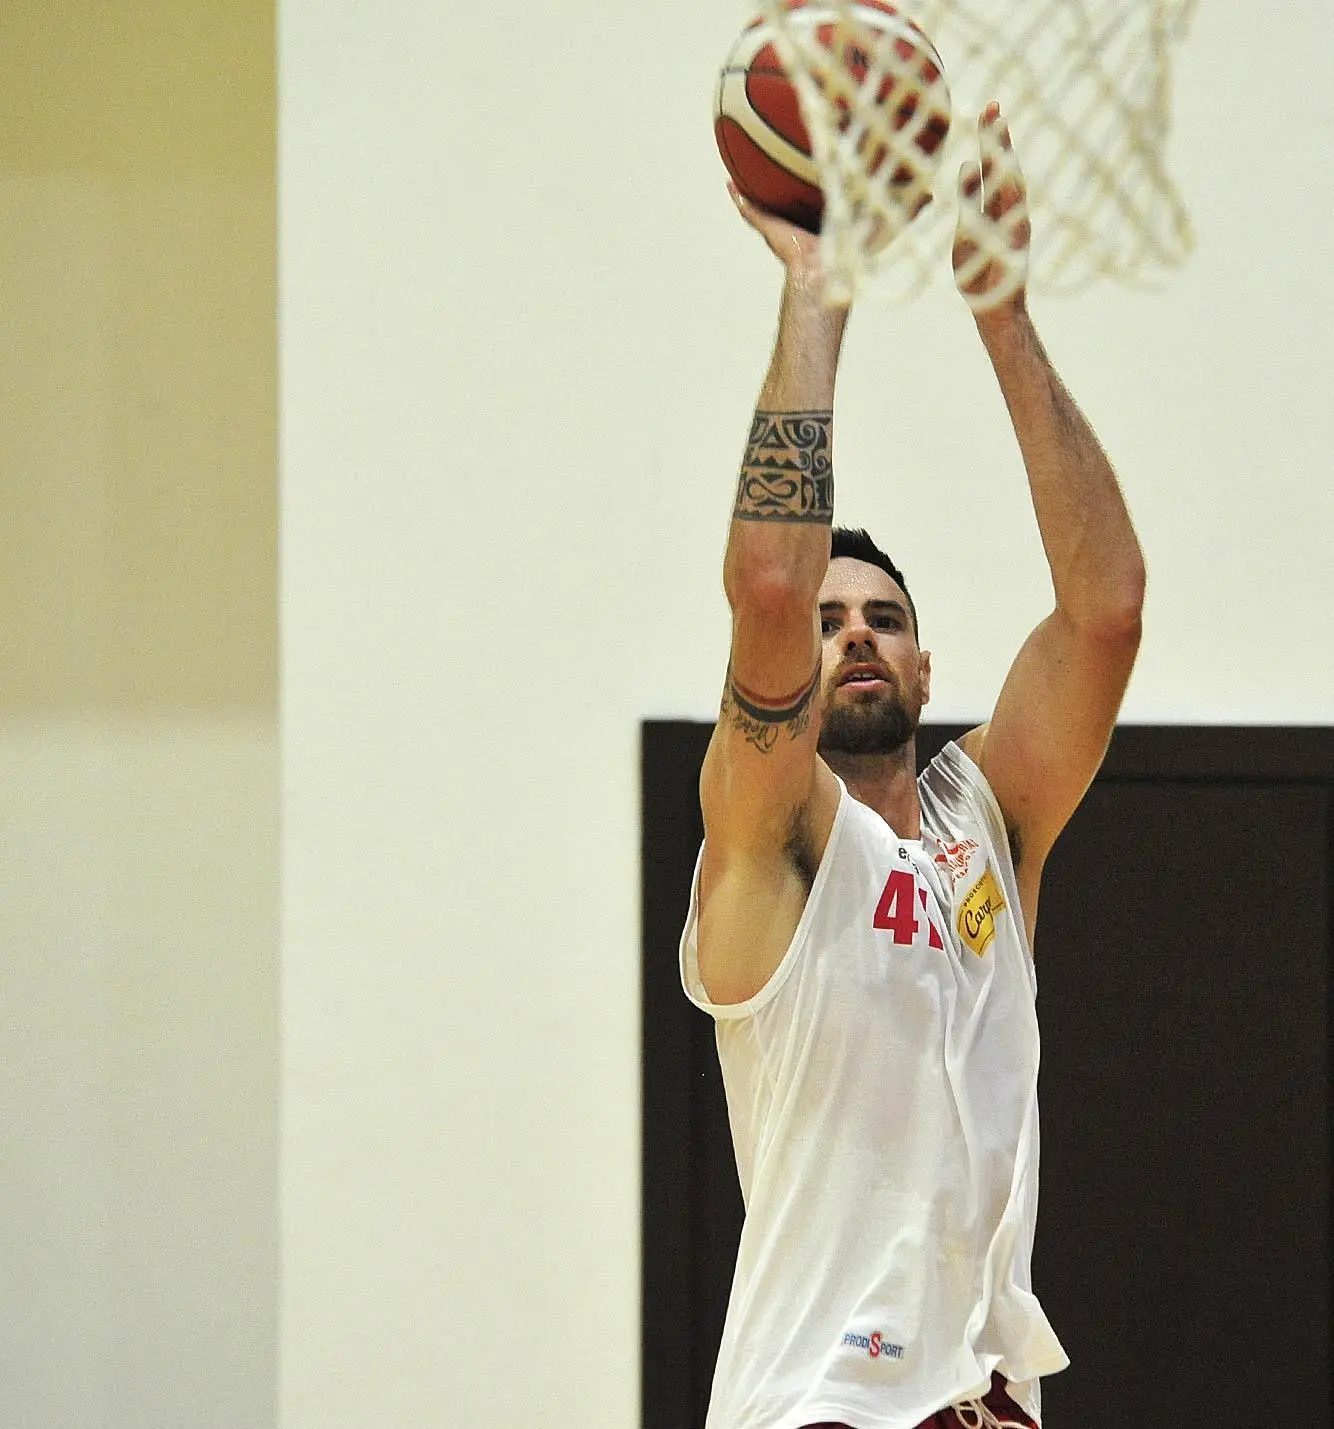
996, 1400
1001, 1405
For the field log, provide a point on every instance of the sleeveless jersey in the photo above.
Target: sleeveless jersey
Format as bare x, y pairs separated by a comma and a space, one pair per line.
882, 1095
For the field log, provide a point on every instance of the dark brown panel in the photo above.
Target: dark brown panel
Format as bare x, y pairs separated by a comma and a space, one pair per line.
1213, 753
1181, 954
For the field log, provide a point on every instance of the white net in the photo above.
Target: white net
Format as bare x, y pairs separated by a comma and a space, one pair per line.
1085, 88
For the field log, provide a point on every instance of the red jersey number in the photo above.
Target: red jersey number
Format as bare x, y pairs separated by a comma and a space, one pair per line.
896, 912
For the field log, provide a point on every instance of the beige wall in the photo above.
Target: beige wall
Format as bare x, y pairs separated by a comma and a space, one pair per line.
138, 657
137, 275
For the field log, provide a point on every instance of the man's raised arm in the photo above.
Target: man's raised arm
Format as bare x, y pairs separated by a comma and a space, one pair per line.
759, 773
1056, 711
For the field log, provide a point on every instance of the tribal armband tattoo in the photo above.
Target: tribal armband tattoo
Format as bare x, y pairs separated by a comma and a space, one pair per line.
787, 473
761, 720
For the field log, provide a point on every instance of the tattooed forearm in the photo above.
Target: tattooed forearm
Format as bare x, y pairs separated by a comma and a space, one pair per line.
760, 720
787, 473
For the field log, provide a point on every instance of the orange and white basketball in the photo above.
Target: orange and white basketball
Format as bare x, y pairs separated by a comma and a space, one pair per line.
758, 124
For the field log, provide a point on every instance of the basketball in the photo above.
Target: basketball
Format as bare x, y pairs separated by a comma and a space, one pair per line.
757, 118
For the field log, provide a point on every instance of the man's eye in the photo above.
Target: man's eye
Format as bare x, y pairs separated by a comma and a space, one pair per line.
827, 627
886, 622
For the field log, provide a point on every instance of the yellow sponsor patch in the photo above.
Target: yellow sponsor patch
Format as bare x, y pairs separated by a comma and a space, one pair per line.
977, 913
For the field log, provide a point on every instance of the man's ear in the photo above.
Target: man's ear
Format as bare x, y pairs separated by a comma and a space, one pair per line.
924, 674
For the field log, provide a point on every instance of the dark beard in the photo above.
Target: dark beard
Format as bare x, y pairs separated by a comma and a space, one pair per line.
880, 726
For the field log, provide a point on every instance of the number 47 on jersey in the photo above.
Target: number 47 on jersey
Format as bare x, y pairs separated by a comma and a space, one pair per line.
896, 913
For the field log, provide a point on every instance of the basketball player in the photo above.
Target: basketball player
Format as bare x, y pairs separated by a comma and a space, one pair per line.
862, 936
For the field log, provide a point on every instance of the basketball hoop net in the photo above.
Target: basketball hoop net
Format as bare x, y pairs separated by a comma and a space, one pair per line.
1085, 88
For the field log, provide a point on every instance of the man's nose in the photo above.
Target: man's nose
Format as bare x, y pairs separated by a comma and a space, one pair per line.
857, 633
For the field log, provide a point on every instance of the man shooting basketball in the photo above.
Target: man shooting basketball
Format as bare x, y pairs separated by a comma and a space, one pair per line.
862, 936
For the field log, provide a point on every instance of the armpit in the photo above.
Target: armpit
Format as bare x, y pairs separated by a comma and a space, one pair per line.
1016, 842
800, 849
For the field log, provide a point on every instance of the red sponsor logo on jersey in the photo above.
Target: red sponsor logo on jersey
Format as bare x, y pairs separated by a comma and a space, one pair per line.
955, 858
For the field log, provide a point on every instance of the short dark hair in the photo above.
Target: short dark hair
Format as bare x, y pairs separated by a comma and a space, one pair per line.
855, 543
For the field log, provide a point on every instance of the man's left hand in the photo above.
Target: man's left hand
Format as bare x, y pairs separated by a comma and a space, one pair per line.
991, 243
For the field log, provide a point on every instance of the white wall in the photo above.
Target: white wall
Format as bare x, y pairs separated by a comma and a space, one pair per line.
138, 1252
522, 332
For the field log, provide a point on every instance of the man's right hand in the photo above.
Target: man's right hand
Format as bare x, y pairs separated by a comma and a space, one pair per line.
797, 249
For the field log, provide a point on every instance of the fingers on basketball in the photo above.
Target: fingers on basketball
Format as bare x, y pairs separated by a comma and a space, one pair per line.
787, 240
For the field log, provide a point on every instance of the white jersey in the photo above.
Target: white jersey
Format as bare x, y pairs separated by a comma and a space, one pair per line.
882, 1094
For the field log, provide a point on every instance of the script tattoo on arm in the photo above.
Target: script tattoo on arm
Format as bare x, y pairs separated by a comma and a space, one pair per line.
761, 720
787, 473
